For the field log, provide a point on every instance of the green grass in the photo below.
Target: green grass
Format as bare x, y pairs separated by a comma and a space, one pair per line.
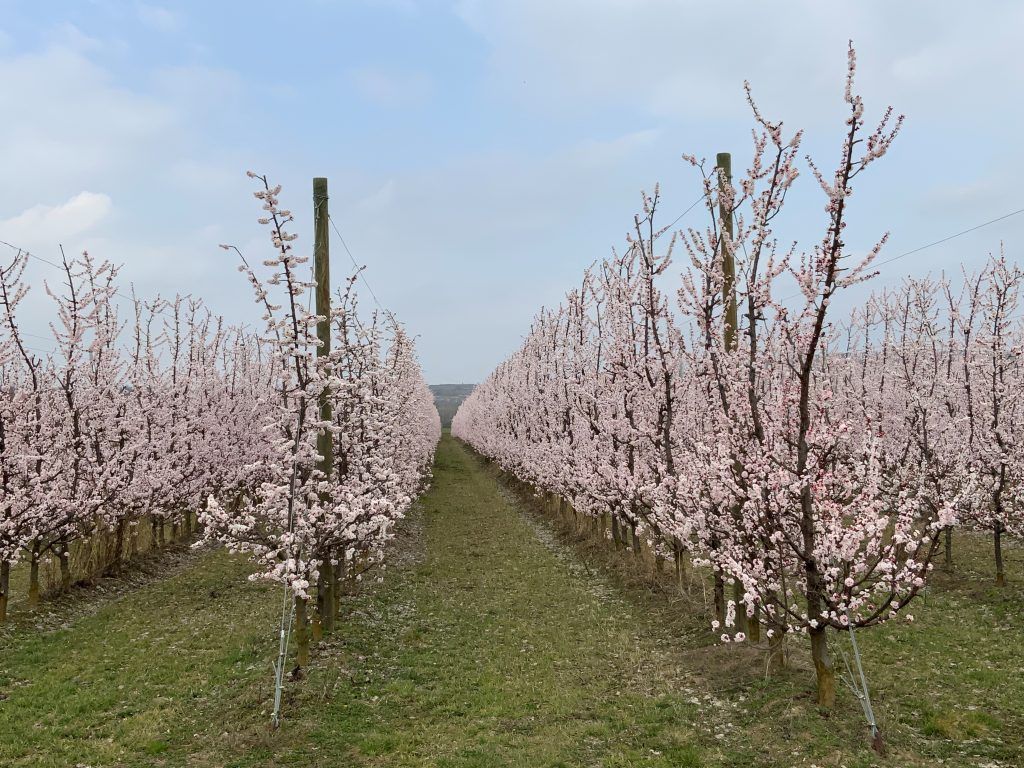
495, 641
491, 650
121, 683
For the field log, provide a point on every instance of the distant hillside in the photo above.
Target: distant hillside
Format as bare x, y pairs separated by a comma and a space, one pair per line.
448, 398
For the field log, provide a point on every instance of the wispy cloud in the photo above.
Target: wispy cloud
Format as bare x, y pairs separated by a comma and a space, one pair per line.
73, 218
158, 17
389, 88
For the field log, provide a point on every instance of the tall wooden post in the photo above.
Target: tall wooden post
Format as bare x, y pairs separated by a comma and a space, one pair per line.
324, 440
724, 163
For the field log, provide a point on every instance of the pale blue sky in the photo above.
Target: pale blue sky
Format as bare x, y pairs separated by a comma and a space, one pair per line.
480, 153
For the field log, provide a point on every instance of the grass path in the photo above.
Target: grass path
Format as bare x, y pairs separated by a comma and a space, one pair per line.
495, 651
489, 643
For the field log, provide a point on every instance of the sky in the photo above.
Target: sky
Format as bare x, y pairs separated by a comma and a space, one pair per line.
481, 153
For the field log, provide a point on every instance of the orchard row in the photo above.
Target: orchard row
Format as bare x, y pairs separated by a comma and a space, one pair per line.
159, 414
812, 461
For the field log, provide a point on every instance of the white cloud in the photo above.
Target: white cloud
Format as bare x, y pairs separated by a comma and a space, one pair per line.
158, 17
380, 200
71, 124
55, 223
69, 36
195, 175
609, 151
67, 126
197, 84
389, 88
687, 59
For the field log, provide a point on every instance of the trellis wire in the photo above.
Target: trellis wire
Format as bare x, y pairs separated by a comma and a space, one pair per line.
859, 688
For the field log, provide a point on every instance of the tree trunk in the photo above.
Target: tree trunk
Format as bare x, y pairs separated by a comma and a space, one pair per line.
338, 573
742, 625
682, 576
949, 547
617, 533
115, 562
301, 634
364, 562
777, 650
637, 551
5, 587
317, 621
878, 743
823, 668
327, 569
720, 599
754, 628
348, 571
33, 577
65, 566
998, 537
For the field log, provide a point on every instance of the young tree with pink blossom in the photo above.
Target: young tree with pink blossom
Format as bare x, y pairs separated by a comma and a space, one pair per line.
294, 520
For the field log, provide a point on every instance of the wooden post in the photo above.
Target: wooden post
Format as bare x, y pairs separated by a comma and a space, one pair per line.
324, 620
723, 162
